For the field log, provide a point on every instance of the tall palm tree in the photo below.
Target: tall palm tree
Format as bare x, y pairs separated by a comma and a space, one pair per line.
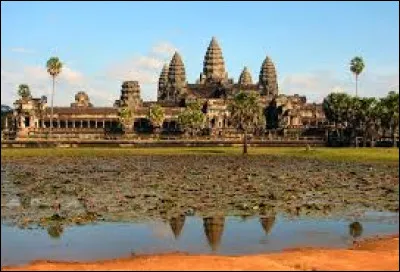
54, 67
246, 113
24, 91
356, 67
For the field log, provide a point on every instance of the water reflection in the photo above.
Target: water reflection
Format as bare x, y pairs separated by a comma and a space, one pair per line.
177, 224
214, 228
105, 240
267, 223
55, 231
355, 229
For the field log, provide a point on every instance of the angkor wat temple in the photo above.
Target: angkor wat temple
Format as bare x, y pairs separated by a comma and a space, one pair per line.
214, 88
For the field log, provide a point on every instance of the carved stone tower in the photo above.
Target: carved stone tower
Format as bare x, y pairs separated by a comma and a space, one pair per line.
162, 83
176, 85
213, 65
245, 77
81, 100
130, 94
268, 83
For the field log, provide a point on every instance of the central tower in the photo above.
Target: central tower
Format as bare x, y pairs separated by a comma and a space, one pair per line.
213, 65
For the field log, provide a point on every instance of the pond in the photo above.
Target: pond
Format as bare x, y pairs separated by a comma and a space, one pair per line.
228, 235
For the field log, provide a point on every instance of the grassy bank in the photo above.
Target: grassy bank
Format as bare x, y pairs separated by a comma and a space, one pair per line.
339, 154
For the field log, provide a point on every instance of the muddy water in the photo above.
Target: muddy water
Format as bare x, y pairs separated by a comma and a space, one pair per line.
223, 235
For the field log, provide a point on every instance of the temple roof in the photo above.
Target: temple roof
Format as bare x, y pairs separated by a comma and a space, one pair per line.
176, 71
214, 65
268, 78
245, 77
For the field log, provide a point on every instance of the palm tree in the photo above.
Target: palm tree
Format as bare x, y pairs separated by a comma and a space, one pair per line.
54, 67
156, 116
24, 91
356, 67
246, 113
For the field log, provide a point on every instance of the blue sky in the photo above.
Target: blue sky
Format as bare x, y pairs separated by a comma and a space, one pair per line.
103, 43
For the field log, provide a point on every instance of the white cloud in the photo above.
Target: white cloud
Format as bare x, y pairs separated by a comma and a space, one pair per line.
164, 48
317, 85
22, 50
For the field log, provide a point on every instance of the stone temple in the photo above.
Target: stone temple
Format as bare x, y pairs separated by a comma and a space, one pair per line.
214, 88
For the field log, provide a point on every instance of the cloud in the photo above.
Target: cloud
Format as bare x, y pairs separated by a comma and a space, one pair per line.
318, 84
163, 48
68, 83
143, 68
22, 50
103, 88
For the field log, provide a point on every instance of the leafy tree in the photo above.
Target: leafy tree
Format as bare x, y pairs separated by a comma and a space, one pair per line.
337, 109
156, 116
356, 67
125, 115
24, 91
54, 68
389, 113
192, 118
5, 111
246, 113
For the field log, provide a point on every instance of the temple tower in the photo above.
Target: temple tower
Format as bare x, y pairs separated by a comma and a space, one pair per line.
130, 94
268, 83
213, 65
176, 85
245, 77
162, 83
81, 100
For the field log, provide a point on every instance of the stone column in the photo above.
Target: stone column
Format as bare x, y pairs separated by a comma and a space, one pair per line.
104, 123
73, 123
95, 123
6, 124
81, 123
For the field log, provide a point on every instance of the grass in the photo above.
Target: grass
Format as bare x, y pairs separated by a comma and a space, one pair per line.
325, 153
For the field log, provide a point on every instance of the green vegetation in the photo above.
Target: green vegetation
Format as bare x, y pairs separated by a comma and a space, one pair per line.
323, 153
192, 118
356, 67
246, 114
365, 116
54, 67
24, 91
156, 116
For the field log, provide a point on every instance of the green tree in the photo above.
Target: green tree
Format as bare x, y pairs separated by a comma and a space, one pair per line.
246, 113
156, 116
389, 113
356, 67
125, 115
54, 68
5, 113
24, 91
337, 109
192, 118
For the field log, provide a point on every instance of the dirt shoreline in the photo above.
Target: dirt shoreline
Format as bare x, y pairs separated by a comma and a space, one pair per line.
380, 253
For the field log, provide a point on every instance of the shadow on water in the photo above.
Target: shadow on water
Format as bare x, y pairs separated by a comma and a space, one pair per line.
223, 234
